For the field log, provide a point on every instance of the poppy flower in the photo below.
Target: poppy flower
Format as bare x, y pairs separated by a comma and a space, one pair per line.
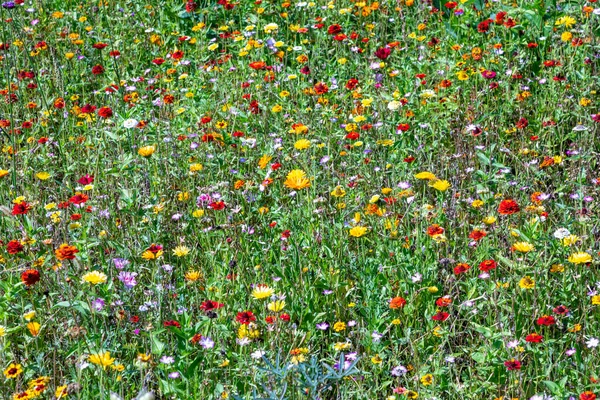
587, 396
105, 112
79, 198
245, 317
30, 277
97, 69
14, 247
209, 305
435, 230
546, 320
461, 268
443, 301
21, 208
487, 265
172, 323
508, 207
383, 52
477, 234
534, 338
86, 180
440, 316
397, 302
512, 365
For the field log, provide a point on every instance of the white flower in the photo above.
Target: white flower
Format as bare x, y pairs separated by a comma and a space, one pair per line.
130, 123
257, 354
394, 105
579, 128
592, 343
561, 233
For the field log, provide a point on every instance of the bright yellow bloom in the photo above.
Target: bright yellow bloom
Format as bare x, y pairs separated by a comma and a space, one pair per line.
489, 220
523, 247
61, 392
297, 180
42, 176
527, 283
193, 276
147, 151
264, 161
580, 258
13, 370
181, 251
302, 144
596, 300
441, 185
276, 306
427, 380
34, 328
102, 359
425, 176
339, 326
94, 278
567, 21
261, 292
358, 231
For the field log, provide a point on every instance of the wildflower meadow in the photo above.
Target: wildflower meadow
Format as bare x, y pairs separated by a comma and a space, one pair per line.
286, 199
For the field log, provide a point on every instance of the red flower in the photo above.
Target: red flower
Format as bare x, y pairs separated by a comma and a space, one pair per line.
435, 229
177, 55
245, 317
487, 265
21, 208
587, 396
217, 205
172, 323
546, 320
403, 127
522, 123
334, 29
321, 88
97, 69
86, 179
210, 305
285, 317
258, 65
561, 310
440, 316
383, 52
477, 234
30, 277
99, 46
14, 247
351, 84
512, 365
154, 248
534, 338
397, 302
443, 301
461, 268
105, 112
270, 319
79, 198
508, 207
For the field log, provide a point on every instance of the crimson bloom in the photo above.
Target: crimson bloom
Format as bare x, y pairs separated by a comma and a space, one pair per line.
245, 317
210, 305
508, 207
512, 365
487, 265
534, 338
14, 247
30, 277
546, 320
440, 316
21, 208
383, 52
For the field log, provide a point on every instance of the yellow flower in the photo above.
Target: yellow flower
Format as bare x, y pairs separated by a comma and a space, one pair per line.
557, 268
566, 21
441, 185
580, 258
489, 220
264, 161
339, 346
276, 306
427, 380
396, 321
302, 144
462, 76
339, 326
261, 292
566, 36
428, 176
523, 247
2, 331
61, 392
358, 231
527, 283
148, 255
376, 359
42, 176
147, 151
570, 240
13, 370
181, 251
34, 328
477, 204
94, 278
297, 180
28, 316
596, 300
3, 173
193, 276
102, 359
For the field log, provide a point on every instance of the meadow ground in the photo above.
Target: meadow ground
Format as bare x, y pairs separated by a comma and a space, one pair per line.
283, 199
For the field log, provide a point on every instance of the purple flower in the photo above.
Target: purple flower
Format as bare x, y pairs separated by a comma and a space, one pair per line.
167, 360
174, 375
207, 342
323, 326
98, 304
120, 263
128, 279
8, 4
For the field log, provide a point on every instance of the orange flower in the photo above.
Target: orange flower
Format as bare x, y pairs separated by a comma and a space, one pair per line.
66, 252
397, 302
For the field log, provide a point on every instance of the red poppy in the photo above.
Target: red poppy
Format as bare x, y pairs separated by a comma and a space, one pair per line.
397, 302
587, 396
351, 84
512, 365
79, 198
210, 305
522, 123
177, 55
14, 247
21, 208
546, 320
99, 46
217, 205
158, 61
86, 179
383, 52
245, 317
440, 316
30, 277
477, 234
334, 29
75, 217
434, 230
353, 135
97, 69
285, 317
534, 338
258, 65
269, 319
461, 268
403, 127
172, 323
508, 207
487, 265
105, 112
